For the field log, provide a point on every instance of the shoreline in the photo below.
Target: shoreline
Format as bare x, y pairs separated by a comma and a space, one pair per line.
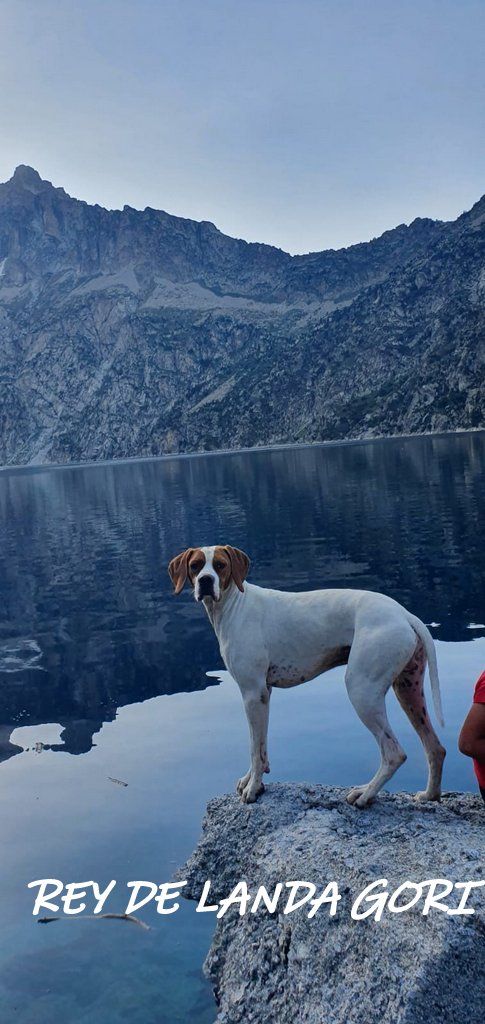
41, 467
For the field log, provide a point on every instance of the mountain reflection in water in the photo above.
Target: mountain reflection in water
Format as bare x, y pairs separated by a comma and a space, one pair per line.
89, 623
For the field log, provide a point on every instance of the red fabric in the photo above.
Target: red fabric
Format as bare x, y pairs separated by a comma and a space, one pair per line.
479, 698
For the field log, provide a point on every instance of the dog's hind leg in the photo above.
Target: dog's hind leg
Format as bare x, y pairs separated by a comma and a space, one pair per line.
409, 690
370, 671
371, 709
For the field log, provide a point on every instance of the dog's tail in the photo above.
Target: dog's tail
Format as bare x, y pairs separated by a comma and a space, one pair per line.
425, 635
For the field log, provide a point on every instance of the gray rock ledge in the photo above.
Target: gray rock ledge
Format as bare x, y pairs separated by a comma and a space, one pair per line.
406, 969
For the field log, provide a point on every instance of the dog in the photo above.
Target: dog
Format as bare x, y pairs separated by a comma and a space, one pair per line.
273, 638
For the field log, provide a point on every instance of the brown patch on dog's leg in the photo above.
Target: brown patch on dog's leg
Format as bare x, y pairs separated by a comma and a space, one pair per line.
409, 690
265, 698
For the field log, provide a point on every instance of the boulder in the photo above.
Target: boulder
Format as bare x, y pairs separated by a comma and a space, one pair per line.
405, 968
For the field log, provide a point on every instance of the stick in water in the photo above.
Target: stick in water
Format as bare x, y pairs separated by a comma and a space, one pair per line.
97, 917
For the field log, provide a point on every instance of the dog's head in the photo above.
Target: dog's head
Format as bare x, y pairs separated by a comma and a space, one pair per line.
210, 571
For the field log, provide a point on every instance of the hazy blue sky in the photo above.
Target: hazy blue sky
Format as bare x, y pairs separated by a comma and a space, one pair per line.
305, 123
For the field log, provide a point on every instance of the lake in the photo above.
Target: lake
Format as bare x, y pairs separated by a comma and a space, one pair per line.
106, 676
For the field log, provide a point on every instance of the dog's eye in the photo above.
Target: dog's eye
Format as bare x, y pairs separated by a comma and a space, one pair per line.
218, 565
195, 567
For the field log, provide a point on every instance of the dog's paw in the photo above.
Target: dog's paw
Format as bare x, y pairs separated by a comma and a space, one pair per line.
242, 783
354, 793
251, 791
358, 797
424, 796
364, 801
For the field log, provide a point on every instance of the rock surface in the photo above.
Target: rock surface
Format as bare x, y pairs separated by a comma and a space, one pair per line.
406, 969
132, 332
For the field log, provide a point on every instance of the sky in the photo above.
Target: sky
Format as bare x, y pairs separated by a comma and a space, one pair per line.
308, 124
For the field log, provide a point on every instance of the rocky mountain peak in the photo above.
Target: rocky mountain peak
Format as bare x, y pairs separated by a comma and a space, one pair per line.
28, 178
476, 215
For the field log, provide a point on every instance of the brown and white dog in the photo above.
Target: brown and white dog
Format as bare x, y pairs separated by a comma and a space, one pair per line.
271, 638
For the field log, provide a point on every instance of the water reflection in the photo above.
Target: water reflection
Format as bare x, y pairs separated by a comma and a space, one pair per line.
89, 623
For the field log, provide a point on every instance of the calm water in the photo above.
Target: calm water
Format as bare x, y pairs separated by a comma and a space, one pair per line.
104, 673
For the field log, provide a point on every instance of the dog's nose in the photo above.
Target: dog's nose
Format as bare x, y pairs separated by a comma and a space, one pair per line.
206, 586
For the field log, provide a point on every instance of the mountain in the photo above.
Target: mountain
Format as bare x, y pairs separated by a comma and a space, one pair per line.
129, 332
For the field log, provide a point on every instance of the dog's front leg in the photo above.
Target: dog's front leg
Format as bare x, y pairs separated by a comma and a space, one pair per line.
256, 703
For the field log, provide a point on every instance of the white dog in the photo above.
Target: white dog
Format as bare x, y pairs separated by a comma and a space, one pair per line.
272, 638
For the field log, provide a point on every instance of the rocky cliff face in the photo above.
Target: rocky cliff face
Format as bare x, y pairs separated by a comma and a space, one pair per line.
127, 333
272, 967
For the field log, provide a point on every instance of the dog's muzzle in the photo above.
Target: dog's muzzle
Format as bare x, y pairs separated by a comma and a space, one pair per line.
205, 587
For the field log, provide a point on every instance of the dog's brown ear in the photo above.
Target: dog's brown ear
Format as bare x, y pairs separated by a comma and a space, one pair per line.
178, 569
239, 565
